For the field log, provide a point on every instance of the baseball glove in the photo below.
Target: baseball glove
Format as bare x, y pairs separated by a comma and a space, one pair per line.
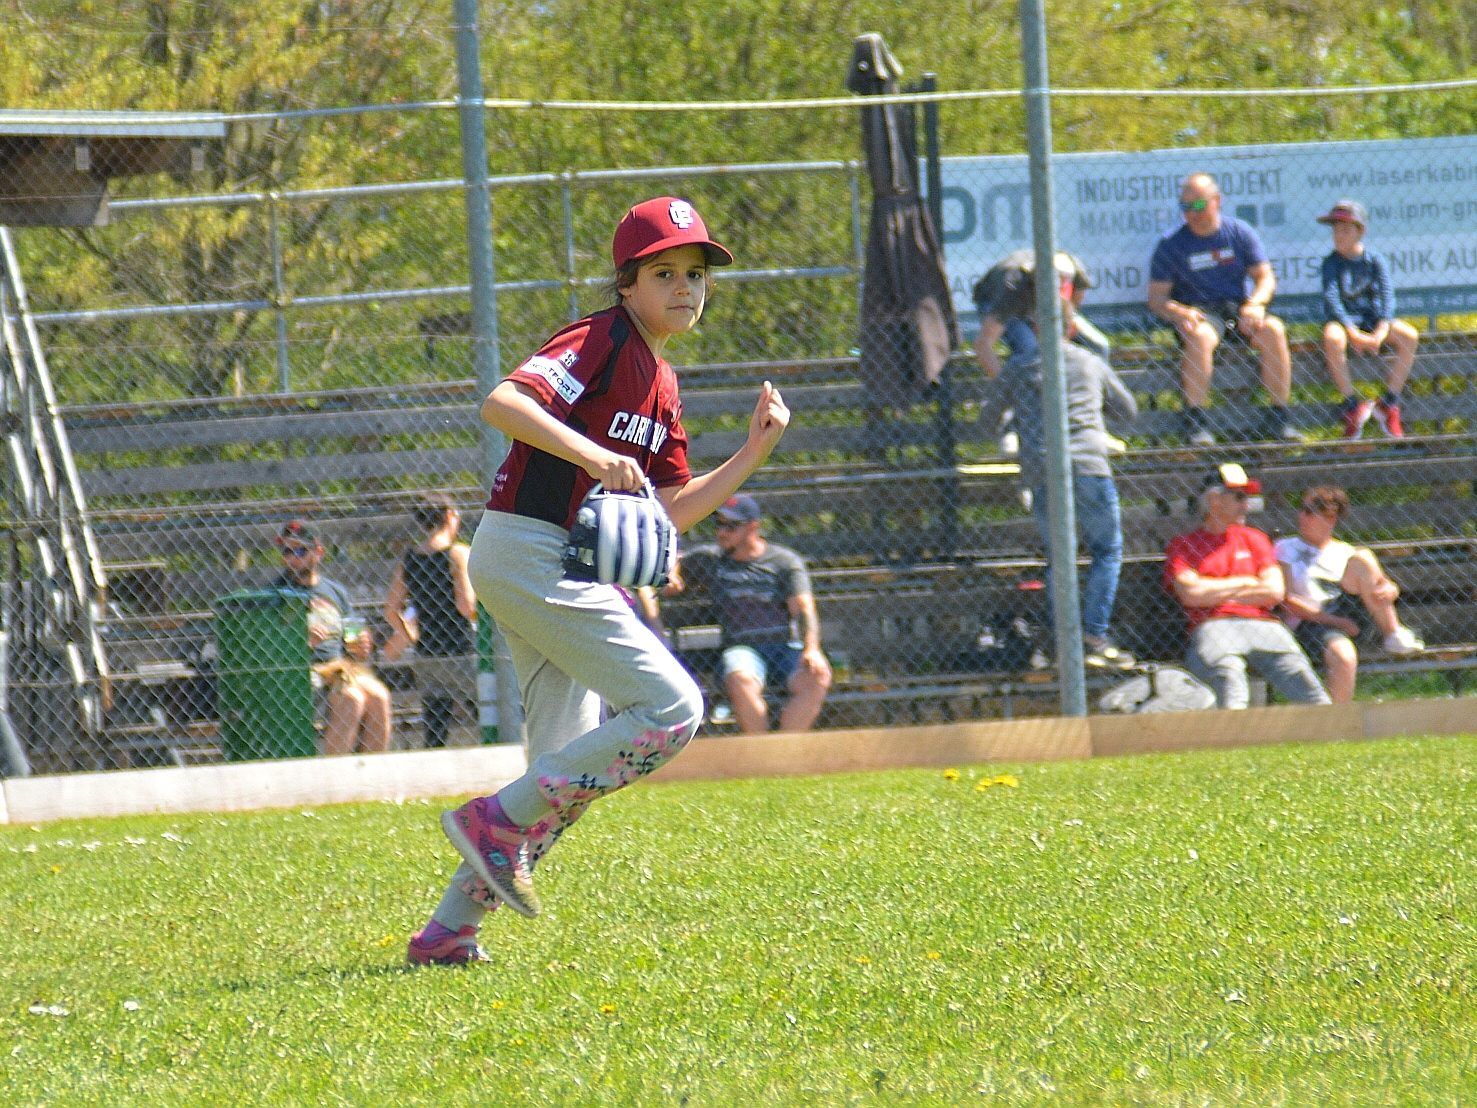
621, 538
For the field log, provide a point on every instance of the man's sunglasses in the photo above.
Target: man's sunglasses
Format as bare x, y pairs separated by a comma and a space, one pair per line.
296, 551
728, 524
1321, 508
1194, 205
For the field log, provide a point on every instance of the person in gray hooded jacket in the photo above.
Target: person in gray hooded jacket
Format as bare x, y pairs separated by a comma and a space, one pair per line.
1092, 389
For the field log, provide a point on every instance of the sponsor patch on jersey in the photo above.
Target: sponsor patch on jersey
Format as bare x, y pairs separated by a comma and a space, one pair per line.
568, 386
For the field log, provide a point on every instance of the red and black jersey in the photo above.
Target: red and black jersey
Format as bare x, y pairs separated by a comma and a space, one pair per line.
600, 378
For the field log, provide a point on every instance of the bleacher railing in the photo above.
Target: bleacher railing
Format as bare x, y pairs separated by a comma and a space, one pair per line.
56, 580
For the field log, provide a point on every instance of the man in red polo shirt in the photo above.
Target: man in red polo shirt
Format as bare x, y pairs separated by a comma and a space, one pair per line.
1225, 575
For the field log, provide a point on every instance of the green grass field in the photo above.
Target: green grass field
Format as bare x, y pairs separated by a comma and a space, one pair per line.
1273, 925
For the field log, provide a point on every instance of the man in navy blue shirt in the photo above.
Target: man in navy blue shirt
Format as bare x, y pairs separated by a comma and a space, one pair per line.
1210, 279
1359, 305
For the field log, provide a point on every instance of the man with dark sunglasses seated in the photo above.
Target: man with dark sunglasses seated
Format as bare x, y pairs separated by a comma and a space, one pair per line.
354, 704
1210, 279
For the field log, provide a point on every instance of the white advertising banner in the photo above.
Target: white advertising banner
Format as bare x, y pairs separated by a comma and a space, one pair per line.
1112, 208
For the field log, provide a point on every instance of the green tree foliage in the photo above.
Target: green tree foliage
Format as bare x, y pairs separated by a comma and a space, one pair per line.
283, 55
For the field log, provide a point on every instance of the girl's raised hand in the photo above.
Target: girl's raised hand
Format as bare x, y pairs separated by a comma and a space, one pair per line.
770, 418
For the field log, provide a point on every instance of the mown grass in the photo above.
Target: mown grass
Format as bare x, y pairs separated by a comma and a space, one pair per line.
1288, 925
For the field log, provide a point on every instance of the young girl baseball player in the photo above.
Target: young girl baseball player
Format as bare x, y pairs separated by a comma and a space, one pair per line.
597, 403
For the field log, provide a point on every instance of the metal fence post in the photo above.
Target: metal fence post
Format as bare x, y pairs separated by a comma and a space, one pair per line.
471, 114
1062, 550
565, 193
279, 293
858, 233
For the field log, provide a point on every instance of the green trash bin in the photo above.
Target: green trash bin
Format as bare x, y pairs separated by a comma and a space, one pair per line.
264, 684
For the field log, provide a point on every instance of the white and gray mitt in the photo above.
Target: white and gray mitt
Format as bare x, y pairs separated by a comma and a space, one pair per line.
621, 538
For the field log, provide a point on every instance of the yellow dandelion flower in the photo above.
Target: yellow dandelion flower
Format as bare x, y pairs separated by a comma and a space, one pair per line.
933, 955
1009, 780
56, 869
862, 960
951, 774
607, 1009
982, 784
387, 940
498, 1005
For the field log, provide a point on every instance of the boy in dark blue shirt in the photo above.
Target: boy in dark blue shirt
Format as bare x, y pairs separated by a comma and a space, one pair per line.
1359, 306
1211, 279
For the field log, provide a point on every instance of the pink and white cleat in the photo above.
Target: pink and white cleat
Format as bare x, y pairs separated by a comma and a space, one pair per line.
499, 855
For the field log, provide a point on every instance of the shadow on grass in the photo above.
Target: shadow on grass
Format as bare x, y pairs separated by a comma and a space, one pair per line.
316, 975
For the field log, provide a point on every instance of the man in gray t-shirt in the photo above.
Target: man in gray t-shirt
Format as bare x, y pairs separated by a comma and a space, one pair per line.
766, 612
356, 702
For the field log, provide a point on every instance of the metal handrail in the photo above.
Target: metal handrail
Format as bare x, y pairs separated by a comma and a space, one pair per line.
65, 546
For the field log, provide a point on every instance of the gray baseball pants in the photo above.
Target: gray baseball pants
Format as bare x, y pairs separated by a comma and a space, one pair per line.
574, 644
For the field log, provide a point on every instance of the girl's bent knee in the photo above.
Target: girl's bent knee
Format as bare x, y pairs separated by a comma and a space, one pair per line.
683, 715
676, 711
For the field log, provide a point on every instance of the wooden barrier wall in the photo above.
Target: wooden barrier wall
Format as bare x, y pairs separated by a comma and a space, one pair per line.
406, 775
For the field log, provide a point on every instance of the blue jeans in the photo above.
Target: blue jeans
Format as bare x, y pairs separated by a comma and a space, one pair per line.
1096, 507
1020, 338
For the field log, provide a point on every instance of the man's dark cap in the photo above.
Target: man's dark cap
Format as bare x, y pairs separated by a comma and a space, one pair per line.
742, 508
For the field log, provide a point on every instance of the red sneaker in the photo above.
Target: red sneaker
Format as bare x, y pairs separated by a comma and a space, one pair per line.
1389, 418
1356, 417
459, 949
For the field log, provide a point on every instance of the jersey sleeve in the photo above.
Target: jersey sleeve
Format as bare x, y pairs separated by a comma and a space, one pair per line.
565, 366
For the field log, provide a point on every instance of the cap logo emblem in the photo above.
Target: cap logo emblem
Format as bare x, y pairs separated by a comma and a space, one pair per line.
680, 212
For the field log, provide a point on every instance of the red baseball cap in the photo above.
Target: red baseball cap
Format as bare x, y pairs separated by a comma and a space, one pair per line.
660, 224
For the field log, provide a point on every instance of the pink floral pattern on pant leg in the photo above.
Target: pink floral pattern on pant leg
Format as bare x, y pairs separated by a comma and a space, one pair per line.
474, 888
648, 753
571, 797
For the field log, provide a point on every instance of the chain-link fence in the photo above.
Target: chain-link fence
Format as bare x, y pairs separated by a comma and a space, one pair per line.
221, 364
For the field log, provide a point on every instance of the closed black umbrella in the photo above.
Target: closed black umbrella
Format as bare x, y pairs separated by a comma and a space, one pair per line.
908, 329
